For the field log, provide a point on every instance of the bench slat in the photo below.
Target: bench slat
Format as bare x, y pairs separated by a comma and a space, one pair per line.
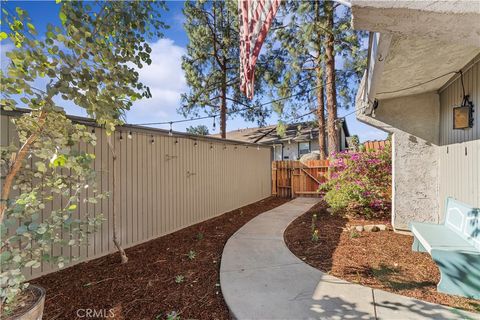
437, 236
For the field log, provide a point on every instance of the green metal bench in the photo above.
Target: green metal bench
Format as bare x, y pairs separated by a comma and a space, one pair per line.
455, 248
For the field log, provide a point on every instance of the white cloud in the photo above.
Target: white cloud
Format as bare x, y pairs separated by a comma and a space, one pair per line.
4, 48
166, 80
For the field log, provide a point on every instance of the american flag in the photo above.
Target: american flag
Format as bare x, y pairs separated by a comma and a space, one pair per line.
256, 16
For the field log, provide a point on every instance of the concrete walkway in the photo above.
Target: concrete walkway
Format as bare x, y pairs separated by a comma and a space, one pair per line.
261, 279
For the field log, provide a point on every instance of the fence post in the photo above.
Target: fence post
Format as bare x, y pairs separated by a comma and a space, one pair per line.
274, 178
292, 171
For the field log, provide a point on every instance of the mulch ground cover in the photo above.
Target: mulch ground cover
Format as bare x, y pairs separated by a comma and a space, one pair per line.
382, 260
159, 278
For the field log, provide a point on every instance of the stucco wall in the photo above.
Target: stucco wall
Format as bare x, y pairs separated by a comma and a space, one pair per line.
414, 123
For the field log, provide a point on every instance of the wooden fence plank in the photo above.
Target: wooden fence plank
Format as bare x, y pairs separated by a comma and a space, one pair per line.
294, 178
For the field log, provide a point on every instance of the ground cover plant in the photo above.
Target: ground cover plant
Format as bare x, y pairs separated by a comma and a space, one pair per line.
382, 260
360, 182
160, 281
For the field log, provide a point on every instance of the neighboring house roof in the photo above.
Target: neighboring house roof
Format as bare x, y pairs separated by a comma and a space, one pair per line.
296, 132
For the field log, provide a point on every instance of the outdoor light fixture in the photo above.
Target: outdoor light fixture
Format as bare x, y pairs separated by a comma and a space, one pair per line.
152, 140
195, 144
463, 115
170, 132
121, 137
129, 136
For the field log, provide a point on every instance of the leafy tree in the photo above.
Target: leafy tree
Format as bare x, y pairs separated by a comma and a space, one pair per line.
315, 32
212, 61
91, 60
200, 130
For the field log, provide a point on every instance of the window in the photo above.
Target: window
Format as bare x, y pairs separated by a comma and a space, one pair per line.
303, 148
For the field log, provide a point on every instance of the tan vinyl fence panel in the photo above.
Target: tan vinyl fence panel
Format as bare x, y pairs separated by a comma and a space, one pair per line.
459, 175
164, 183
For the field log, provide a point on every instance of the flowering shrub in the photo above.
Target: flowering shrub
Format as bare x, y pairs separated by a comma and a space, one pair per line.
360, 182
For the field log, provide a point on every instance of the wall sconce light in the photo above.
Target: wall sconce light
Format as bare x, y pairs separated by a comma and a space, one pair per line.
463, 115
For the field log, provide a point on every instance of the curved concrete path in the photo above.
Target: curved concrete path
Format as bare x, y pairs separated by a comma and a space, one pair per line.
261, 279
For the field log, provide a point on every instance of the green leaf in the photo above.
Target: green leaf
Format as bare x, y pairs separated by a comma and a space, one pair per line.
31, 263
59, 161
42, 229
41, 166
3, 35
72, 207
62, 17
21, 230
4, 256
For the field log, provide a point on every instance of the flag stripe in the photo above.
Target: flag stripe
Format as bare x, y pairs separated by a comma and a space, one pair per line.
256, 17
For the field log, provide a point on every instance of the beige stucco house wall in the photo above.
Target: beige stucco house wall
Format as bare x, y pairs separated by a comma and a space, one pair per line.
410, 88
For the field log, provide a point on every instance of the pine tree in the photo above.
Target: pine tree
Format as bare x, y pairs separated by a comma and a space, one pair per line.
212, 67
201, 130
314, 33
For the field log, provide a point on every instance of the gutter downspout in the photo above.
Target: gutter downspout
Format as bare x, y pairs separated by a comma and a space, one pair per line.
379, 46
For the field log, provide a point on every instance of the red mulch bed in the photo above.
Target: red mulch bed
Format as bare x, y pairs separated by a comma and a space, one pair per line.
145, 287
382, 260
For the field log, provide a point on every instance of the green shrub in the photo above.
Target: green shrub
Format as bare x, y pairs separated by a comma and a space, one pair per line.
360, 183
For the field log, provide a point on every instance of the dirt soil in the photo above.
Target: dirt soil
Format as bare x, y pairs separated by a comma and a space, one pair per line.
150, 285
382, 260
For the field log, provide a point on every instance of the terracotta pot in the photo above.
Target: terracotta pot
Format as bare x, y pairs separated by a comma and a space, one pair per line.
35, 311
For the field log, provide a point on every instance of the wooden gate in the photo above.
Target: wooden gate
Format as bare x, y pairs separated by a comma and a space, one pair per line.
292, 179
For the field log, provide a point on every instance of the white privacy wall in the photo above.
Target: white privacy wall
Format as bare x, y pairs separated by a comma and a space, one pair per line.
459, 150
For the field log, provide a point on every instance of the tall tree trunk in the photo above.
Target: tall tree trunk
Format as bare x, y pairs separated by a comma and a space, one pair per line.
321, 114
320, 89
116, 242
333, 145
223, 106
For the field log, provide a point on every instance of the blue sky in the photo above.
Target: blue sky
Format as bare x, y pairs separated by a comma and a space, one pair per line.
164, 76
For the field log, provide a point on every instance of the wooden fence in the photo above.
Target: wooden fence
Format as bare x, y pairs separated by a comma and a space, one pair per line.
376, 144
164, 183
291, 179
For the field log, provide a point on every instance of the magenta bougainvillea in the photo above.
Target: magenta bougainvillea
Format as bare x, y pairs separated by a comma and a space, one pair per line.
360, 182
